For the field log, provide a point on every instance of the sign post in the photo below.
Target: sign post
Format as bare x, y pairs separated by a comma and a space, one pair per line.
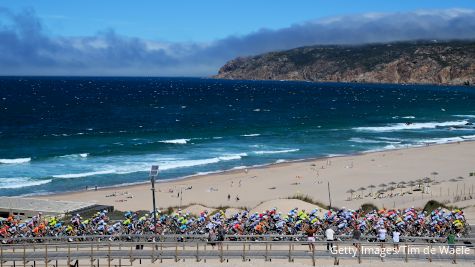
153, 176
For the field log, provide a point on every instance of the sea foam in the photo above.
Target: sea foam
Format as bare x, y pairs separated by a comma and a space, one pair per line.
411, 126
15, 161
144, 166
182, 141
262, 152
20, 182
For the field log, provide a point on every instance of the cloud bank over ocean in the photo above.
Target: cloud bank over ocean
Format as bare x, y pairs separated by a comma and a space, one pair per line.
28, 49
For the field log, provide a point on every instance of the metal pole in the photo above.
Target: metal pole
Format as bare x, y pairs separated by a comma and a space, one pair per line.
46, 254
153, 175
24, 256
313, 256
406, 249
221, 252
359, 252
329, 195
69, 255
290, 252
197, 252
265, 257
92, 255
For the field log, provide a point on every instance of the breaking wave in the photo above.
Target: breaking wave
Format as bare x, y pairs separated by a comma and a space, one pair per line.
20, 182
15, 161
411, 126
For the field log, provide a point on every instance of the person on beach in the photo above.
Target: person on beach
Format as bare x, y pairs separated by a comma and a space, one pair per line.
329, 237
212, 238
396, 235
382, 234
356, 236
451, 239
310, 232
221, 236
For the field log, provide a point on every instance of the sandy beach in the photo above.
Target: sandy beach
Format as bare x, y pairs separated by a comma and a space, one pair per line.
268, 186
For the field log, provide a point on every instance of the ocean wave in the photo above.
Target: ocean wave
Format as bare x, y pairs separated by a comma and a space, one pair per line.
262, 152
464, 116
182, 141
411, 126
404, 117
446, 140
79, 155
365, 141
83, 174
250, 135
232, 156
197, 162
371, 141
142, 167
20, 182
392, 147
15, 161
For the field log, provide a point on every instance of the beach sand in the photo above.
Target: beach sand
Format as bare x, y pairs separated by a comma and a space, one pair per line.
273, 183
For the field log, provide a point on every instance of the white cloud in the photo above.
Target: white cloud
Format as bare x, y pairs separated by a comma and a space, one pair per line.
27, 49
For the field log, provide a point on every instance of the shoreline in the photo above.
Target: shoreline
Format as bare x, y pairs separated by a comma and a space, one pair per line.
274, 181
238, 170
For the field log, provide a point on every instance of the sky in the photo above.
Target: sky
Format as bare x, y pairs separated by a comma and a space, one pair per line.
195, 38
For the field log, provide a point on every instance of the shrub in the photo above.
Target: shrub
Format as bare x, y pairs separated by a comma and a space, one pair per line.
310, 200
367, 207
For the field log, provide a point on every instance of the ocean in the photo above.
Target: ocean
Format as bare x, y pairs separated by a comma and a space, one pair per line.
60, 134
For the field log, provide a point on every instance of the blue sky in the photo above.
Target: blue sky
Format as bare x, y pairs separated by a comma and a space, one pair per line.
203, 20
195, 38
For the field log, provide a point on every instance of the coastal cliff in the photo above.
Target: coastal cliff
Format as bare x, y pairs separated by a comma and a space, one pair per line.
405, 62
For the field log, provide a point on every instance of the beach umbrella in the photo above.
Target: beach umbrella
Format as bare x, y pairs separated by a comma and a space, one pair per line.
402, 187
460, 178
362, 189
434, 173
427, 180
402, 182
419, 181
453, 180
383, 185
391, 188
351, 191
392, 183
372, 187
411, 184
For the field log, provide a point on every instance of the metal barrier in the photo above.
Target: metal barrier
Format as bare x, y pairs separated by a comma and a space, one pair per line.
200, 237
117, 252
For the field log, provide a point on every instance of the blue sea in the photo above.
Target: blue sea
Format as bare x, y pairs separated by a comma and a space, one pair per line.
60, 134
